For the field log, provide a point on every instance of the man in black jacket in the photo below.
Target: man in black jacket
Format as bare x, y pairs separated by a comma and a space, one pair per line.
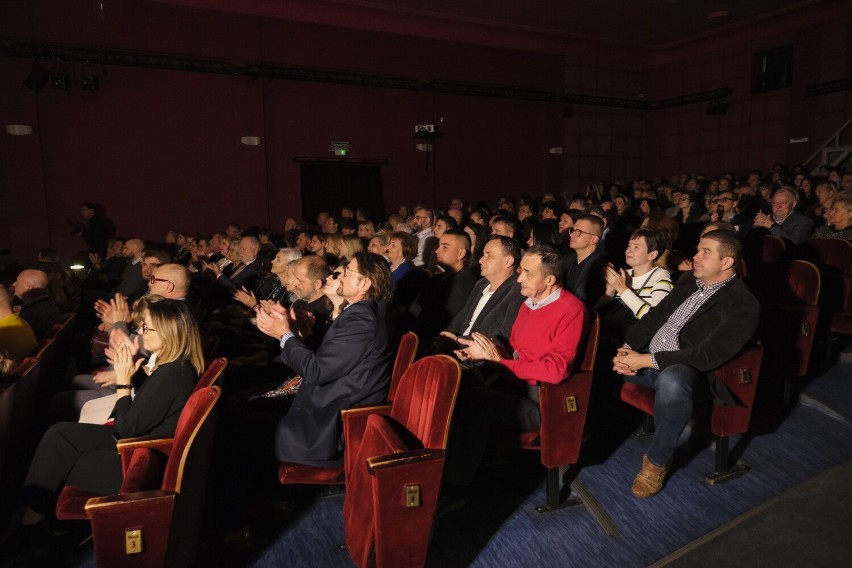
493, 304
704, 323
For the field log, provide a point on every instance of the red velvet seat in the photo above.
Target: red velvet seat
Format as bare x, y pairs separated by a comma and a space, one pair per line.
833, 258
299, 474
210, 376
162, 494
760, 249
564, 408
790, 290
740, 376
394, 464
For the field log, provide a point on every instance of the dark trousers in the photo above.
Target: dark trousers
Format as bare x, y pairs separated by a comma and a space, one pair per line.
82, 455
477, 410
677, 388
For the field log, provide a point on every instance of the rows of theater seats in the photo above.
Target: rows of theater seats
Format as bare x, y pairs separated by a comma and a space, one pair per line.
395, 452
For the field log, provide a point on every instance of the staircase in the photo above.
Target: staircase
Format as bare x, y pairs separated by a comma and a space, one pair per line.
833, 153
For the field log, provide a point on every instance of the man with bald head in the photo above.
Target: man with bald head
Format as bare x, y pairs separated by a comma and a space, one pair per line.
37, 308
132, 284
170, 281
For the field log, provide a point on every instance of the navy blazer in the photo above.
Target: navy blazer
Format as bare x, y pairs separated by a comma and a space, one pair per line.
246, 278
352, 366
715, 334
794, 228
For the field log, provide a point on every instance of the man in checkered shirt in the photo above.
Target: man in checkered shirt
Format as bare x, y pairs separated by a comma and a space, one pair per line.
704, 323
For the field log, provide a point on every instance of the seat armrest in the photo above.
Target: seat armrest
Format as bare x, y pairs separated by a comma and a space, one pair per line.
354, 424
403, 458
153, 442
98, 503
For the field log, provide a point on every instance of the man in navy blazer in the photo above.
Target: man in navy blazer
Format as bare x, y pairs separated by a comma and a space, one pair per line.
245, 275
704, 323
351, 366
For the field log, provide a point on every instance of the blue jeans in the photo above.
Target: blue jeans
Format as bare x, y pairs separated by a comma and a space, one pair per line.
677, 388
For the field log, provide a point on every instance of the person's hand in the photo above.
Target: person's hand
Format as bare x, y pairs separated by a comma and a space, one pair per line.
629, 362
213, 267
302, 323
616, 280
477, 348
273, 322
95, 259
445, 343
103, 310
245, 297
104, 378
124, 366
120, 309
117, 339
763, 220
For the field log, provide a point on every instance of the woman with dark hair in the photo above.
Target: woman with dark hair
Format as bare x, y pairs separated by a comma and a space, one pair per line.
407, 280
83, 455
690, 210
478, 238
543, 232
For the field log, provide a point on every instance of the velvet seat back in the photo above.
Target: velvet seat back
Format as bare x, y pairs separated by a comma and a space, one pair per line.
404, 357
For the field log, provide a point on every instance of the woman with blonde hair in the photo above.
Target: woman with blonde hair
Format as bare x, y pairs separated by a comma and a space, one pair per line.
83, 455
350, 245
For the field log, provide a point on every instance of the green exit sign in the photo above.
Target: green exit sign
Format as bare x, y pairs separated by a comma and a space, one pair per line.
340, 148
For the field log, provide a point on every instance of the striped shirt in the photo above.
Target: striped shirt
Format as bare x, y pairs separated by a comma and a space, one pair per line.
646, 291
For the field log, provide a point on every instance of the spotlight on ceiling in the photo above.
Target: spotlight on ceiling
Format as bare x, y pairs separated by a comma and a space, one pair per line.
90, 83
37, 78
59, 81
717, 108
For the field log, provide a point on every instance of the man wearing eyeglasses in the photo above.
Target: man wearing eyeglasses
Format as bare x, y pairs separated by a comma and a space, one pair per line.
724, 208
785, 221
426, 240
583, 266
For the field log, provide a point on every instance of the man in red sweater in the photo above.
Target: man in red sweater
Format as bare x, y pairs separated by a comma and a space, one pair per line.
543, 342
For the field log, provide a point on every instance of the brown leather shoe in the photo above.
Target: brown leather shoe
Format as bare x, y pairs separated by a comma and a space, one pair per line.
649, 480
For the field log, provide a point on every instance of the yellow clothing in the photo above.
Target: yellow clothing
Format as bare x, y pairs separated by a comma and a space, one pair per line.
16, 337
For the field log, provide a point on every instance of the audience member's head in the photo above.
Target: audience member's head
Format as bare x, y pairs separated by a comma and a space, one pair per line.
29, 281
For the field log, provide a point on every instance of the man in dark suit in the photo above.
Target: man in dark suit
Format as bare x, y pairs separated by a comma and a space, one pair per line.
726, 210
493, 303
785, 221
352, 365
245, 275
584, 264
704, 323
444, 294
133, 283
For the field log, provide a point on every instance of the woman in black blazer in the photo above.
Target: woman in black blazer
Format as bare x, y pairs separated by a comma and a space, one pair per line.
84, 455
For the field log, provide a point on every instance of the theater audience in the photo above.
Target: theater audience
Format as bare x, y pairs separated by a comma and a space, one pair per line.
543, 344
83, 455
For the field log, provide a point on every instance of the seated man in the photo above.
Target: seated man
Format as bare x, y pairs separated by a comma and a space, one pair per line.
444, 294
351, 366
245, 275
785, 221
132, 284
704, 323
584, 264
493, 304
726, 210
544, 343
30, 290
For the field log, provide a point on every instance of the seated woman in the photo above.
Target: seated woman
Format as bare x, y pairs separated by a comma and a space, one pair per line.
83, 455
406, 284
839, 219
631, 293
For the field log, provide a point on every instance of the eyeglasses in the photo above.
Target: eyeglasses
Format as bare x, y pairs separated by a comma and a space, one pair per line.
347, 269
153, 279
722, 200
572, 230
336, 274
146, 329
421, 217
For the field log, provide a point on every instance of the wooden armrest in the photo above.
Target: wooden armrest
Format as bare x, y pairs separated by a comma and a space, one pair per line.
153, 442
356, 411
403, 458
116, 500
